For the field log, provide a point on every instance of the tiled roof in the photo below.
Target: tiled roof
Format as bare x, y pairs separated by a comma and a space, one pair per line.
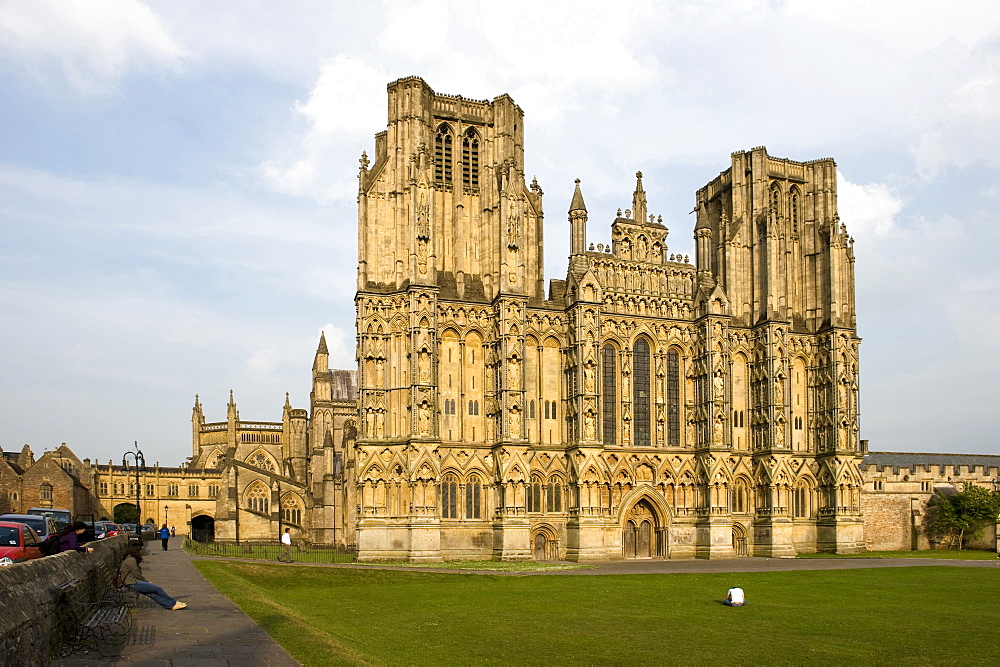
910, 460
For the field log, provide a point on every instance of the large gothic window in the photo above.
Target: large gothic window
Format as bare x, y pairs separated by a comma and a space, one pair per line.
640, 392
534, 500
443, 144
291, 509
473, 494
673, 399
258, 499
449, 497
609, 396
470, 159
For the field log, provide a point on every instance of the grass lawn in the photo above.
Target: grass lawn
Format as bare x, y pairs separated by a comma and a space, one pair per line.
323, 616
965, 554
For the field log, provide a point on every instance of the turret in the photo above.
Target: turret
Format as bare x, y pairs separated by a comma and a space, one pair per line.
578, 222
321, 390
197, 421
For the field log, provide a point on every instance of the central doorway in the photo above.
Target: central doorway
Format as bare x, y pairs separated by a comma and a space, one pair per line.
641, 534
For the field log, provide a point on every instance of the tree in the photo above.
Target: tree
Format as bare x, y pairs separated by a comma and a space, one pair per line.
125, 513
962, 514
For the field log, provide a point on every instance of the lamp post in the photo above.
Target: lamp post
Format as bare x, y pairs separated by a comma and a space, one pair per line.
139, 463
166, 521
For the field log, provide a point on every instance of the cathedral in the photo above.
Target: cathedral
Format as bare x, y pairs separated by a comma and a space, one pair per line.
644, 406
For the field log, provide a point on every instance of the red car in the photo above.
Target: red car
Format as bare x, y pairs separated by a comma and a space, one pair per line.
18, 542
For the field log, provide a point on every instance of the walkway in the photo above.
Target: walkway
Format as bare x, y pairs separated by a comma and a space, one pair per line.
211, 632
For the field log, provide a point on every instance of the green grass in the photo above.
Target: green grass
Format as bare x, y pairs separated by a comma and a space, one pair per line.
928, 615
966, 554
484, 565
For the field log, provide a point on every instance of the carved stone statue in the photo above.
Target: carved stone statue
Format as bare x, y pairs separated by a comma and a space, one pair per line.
515, 423
588, 378
514, 373
424, 367
718, 385
589, 431
424, 418
719, 432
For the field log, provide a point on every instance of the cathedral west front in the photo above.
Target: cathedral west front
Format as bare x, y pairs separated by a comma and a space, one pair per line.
645, 406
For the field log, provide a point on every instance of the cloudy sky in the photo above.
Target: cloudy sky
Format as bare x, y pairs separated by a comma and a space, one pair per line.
178, 179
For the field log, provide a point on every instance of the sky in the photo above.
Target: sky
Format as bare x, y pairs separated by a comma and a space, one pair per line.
178, 183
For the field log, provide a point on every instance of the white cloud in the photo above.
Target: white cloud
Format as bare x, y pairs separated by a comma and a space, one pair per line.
91, 44
869, 210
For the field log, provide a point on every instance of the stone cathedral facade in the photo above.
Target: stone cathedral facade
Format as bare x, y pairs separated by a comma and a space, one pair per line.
642, 407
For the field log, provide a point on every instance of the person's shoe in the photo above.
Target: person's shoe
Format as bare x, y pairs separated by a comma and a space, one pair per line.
178, 605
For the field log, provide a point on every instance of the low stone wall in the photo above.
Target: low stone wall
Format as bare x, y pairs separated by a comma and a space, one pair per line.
36, 598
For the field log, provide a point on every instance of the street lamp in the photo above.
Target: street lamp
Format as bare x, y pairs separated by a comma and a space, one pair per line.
139, 463
165, 519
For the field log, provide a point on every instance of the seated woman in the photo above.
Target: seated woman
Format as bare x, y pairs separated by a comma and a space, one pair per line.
130, 575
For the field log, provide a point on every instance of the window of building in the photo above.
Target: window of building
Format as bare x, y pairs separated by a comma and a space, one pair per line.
104, 488
535, 495
443, 143
609, 397
449, 497
193, 490
473, 407
879, 485
172, 490
291, 509
739, 497
473, 495
470, 159
213, 490
925, 487
531, 409
553, 496
45, 492
673, 399
150, 490
640, 392
800, 502
258, 499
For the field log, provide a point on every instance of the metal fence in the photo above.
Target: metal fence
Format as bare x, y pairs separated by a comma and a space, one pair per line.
272, 550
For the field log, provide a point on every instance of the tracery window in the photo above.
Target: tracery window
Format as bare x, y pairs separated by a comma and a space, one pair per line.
449, 497
673, 399
470, 159
738, 498
800, 501
774, 199
443, 143
291, 509
553, 496
258, 499
609, 397
262, 461
535, 495
640, 392
473, 494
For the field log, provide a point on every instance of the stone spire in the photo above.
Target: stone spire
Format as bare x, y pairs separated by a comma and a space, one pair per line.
639, 199
577, 222
321, 363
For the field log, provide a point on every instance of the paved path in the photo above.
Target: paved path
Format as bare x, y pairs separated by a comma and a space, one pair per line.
211, 632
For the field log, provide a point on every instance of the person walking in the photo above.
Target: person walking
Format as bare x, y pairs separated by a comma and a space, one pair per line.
164, 536
130, 576
286, 541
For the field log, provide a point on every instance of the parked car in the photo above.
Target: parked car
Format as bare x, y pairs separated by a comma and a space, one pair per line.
127, 527
148, 527
104, 529
61, 516
18, 543
42, 525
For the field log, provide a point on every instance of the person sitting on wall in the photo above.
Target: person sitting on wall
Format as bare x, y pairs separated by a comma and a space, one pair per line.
735, 597
130, 576
69, 538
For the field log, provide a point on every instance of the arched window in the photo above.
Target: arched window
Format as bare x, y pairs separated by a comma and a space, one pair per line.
261, 460
531, 409
609, 396
258, 499
793, 209
443, 144
801, 501
640, 392
470, 159
473, 494
535, 495
291, 509
739, 498
553, 495
673, 399
774, 202
449, 497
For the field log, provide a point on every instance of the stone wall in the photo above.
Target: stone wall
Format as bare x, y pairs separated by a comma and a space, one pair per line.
36, 598
888, 521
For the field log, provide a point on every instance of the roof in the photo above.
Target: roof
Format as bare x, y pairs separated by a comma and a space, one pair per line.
911, 460
344, 385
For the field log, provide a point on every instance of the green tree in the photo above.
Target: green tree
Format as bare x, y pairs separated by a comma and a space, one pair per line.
963, 514
125, 513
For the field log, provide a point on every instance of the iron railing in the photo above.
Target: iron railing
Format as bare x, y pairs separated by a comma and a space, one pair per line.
272, 550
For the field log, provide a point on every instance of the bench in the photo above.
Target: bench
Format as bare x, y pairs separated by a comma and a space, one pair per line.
104, 628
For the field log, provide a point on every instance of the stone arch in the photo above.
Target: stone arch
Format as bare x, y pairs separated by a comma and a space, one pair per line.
644, 519
262, 459
544, 542
741, 545
292, 508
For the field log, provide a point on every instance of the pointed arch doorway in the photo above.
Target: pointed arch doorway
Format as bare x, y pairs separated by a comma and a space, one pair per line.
643, 534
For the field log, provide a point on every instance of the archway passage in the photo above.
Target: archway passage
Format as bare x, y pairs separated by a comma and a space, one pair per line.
126, 513
642, 534
203, 528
